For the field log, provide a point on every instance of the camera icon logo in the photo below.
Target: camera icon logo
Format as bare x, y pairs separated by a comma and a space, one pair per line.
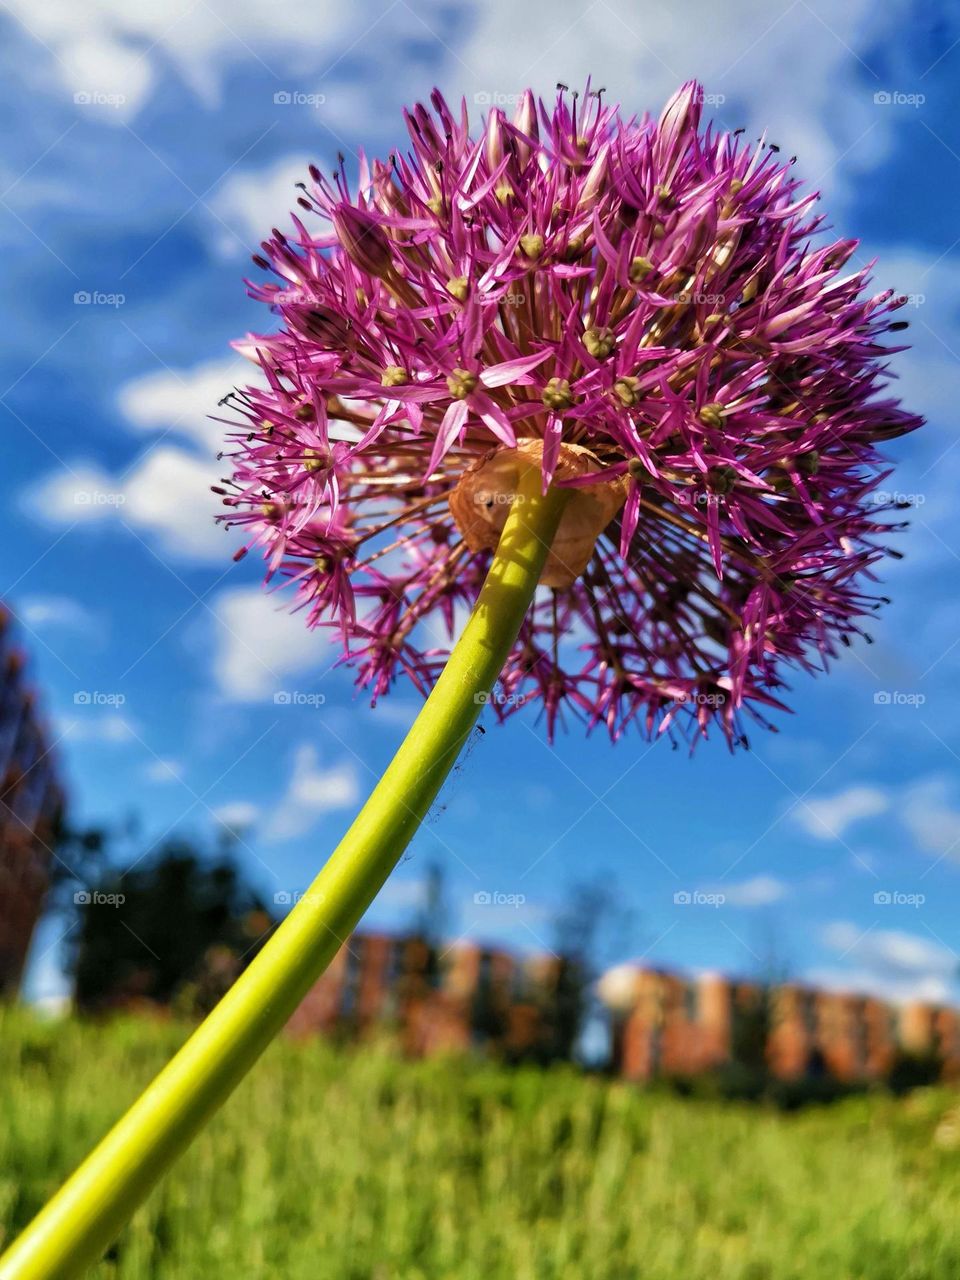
481, 699
882, 898
882, 698
682, 898
282, 899
81, 698
283, 98
883, 98
82, 898
482, 899
282, 698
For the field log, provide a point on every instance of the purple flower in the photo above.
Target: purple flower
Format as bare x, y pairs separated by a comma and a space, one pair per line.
649, 312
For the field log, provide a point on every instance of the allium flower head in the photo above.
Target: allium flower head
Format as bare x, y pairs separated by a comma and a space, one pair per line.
644, 310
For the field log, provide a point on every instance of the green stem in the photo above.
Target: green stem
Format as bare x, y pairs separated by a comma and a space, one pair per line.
88, 1212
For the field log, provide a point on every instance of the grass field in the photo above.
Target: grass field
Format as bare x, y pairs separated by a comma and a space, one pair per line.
335, 1165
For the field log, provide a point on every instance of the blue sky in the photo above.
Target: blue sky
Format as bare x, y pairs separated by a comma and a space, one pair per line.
154, 145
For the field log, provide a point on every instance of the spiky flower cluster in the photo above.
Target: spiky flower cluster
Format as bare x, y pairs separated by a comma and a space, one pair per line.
642, 308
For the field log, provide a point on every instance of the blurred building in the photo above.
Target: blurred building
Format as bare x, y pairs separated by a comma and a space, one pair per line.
442, 1000
31, 803
663, 1024
666, 1024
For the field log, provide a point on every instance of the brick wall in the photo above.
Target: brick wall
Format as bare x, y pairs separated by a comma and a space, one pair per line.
666, 1024
436, 1001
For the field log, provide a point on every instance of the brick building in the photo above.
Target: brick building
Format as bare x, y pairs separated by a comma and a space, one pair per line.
668, 1024
446, 1001
31, 802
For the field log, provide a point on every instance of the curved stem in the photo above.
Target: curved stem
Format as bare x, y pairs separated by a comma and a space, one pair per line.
94, 1204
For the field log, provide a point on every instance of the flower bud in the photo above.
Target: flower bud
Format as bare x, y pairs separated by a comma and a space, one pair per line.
493, 148
595, 179
625, 389
599, 342
680, 118
525, 119
460, 383
531, 246
364, 241
639, 268
557, 394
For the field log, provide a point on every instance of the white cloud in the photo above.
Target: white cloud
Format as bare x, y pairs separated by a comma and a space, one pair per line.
165, 498
168, 495
237, 815
760, 891
899, 990
110, 727
891, 951
933, 822
84, 494
163, 771
57, 613
108, 78
312, 792
250, 202
183, 400
828, 817
888, 963
259, 644
799, 71
110, 47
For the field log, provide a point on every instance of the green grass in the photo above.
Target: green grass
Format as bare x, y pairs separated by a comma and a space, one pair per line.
337, 1165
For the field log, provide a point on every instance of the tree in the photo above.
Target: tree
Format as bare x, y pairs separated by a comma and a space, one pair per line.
589, 930
177, 926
